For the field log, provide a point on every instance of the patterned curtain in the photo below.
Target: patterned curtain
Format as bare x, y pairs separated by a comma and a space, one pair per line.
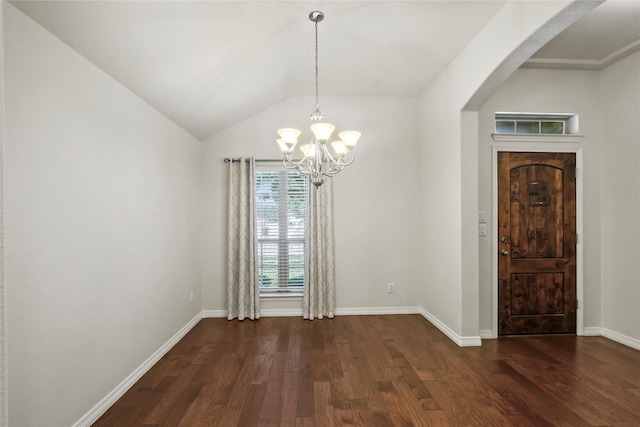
243, 295
319, 288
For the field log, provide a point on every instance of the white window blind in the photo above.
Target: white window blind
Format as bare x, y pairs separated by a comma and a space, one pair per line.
281, 203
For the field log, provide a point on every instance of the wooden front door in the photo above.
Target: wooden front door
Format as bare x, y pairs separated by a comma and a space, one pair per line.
536, 243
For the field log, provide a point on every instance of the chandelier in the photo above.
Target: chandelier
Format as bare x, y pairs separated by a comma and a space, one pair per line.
318, 159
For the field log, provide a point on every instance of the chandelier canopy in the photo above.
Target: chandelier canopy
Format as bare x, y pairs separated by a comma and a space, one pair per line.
318, 159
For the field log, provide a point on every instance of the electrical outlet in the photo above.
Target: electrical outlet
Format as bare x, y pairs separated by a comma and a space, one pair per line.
391, 288
191, 297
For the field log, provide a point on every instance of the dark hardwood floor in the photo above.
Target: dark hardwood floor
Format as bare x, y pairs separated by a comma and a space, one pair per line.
391, 370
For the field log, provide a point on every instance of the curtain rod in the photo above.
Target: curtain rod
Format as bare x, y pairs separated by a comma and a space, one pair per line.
227, 160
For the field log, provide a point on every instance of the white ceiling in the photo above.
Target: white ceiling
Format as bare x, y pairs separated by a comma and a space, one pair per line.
209, 64
606, 34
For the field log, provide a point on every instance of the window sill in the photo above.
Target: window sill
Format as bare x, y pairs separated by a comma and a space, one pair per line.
522, 137
281, 296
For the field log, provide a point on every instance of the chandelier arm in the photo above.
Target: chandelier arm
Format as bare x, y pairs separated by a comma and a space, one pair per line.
337, 161
289, 163
348, 162
300, 170
302, 166
334, 166
344, 163
331, 173
333, 170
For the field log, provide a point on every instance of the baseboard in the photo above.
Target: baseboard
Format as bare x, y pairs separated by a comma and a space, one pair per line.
486, 334
281, 312
367, 311
213, 313
622, 339
473, 341
596, 331
458, 339
592, 331
102, 406
292, 312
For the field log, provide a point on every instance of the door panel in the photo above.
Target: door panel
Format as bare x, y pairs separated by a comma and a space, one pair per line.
536, 232
534, 294
536, 212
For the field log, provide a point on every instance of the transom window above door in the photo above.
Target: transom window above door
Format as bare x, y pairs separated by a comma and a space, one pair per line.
536, 123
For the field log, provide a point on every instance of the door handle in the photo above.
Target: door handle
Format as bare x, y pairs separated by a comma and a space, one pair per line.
504, 252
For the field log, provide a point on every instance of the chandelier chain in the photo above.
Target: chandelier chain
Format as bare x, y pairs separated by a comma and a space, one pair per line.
317, 104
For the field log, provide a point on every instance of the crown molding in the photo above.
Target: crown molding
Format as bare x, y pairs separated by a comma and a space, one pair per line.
583, 64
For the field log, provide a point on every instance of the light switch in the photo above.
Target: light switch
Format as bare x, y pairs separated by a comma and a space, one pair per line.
482, 217
482, 229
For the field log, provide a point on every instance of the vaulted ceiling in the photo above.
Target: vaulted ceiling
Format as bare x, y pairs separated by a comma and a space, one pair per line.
209, 64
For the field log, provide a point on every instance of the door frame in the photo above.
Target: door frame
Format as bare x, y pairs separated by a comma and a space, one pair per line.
551, 144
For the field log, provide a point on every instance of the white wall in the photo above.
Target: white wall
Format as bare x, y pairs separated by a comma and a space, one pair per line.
375, 198
608, 105
550, 91
620, 101
449, 157
4, 413
102, 201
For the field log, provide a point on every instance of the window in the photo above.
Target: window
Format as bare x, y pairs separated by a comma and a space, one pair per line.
534, 123
281, 205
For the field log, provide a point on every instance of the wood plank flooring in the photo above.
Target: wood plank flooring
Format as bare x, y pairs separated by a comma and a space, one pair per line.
391, 370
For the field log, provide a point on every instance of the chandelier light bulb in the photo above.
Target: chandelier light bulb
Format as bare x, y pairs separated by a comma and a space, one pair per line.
322, 131
309, 150
339, 148
289, 135
283, 146
350, 138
